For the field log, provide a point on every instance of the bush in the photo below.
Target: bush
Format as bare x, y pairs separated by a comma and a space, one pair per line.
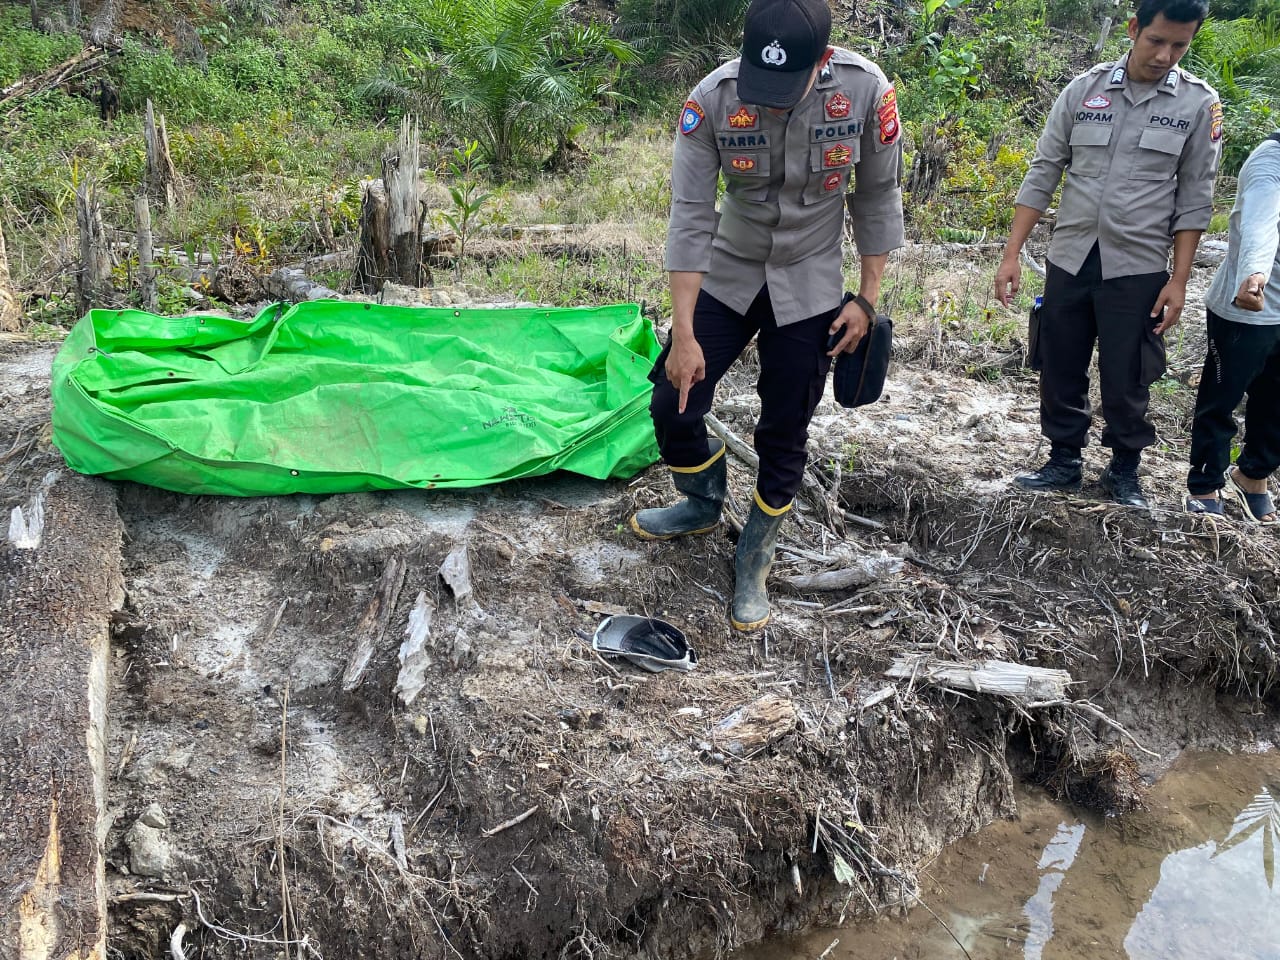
25, 51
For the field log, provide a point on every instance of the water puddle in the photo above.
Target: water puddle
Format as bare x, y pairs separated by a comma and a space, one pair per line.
1192, 877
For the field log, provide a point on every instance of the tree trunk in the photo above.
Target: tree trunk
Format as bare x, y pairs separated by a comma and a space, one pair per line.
10, 311
103, 28
146, 256
35, 15
93, 286
160, 175
390, 218
74, 15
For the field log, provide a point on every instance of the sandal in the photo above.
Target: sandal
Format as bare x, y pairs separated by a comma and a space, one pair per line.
1204, 505
1254, 505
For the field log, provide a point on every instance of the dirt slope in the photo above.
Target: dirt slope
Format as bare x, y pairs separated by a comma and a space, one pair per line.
534, 801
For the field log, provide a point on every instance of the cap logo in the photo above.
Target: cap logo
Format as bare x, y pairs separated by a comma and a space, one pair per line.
773, 55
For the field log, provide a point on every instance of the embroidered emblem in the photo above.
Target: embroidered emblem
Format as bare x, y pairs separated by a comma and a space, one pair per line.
1171, 81
691, 117
837, 156
1098, 103
773, 55
888, 114
832, 181
1117, 77
743, 119
743, 164
838, 107
1215, 122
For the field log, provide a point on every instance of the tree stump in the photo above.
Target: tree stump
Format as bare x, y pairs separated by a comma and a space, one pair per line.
391, 219
160, 175
146, 255
930, 165
10, 310
93, 285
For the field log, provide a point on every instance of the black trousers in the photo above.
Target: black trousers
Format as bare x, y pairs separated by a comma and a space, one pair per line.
1242, 358
793, 373
1116, 314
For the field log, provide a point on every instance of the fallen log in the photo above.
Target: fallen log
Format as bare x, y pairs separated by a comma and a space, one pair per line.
996, 677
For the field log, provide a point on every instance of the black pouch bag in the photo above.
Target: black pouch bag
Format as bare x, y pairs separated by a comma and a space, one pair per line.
1152, 358
1033, 337
859, 376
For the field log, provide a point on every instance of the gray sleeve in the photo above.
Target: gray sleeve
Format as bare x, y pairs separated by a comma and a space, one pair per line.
1053, 153
1197, 170
876, 201
695, 172
1259, 214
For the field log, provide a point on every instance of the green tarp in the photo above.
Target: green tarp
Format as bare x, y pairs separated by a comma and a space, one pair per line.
330, 396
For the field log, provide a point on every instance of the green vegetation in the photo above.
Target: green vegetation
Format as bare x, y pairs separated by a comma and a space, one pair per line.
531, 111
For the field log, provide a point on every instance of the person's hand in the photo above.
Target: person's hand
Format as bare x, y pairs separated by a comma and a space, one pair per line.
855, 323
685, 367
1008, 280
1173, 296
1249, 296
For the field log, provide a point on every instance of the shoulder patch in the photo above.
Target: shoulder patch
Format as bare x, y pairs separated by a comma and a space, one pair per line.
1215, 122
887, 113
691, 116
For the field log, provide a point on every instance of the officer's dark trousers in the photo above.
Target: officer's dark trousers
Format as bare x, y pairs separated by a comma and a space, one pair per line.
1242, 358
793, 373
1115, 313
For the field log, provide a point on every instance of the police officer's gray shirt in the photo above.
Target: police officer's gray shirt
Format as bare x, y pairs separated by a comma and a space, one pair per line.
1253, 240
787, 180
1140, 166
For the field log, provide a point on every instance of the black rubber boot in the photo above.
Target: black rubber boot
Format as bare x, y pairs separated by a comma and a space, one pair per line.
1061, 472
1120, 480
750, 610
704, 488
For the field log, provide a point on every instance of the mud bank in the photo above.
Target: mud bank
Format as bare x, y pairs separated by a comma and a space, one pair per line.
317, 743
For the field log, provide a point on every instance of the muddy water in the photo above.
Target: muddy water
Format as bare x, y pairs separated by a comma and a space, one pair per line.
1191, 878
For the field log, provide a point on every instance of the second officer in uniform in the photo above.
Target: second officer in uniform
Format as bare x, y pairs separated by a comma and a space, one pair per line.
799, 131
1139, 141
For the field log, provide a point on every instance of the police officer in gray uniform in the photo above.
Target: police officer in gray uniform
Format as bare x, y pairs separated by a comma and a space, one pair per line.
1140, 142
791, 126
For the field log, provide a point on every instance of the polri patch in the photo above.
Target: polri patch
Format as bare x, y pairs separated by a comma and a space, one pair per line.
744, 119
743, 164
691, 117
838, 107
888, 114
1097, 103
1215, 122
832, 181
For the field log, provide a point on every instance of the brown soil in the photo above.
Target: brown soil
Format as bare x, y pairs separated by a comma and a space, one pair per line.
650, 831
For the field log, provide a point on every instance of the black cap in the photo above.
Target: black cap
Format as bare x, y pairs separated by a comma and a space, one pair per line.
782, 41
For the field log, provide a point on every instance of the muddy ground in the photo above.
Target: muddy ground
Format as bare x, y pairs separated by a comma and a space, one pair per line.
508, 794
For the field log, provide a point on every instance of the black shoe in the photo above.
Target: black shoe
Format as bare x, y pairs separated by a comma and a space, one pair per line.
1062, 472
1123, 487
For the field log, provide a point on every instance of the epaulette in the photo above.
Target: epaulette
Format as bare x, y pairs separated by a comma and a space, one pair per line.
726, 71
1190, 77
847, 58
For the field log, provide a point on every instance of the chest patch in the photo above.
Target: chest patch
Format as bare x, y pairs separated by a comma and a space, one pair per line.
1098, 102
833, 180
837, 156
744, 119
838, 107
743, 164
691, 117
1170, 123
837, 131
731, 142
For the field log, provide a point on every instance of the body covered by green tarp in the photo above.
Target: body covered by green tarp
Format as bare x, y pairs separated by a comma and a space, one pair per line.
331, 396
